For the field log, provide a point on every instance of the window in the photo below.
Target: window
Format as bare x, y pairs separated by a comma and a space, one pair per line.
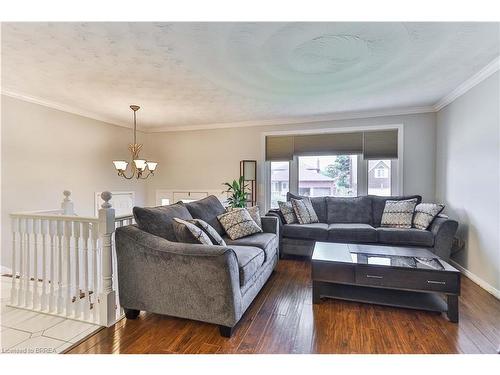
280, 180
379, 177
328, 175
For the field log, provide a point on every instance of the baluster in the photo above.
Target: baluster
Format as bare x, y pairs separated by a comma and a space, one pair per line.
52, 267
36, 231
86, 299
67, 259
95, 286
27, 293
13, 290
76, 237
20, 291
44, 230
60, 299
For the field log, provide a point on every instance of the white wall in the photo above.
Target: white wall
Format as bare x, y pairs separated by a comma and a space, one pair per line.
45, 151
206, 158
468, 175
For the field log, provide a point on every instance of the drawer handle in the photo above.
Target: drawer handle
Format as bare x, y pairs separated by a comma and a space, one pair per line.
374, 277
436, 282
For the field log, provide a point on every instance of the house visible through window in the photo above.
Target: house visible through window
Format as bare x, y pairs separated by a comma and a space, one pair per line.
379, 177
280, 179
328, 175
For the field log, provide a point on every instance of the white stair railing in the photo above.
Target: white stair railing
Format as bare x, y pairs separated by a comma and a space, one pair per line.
65, 265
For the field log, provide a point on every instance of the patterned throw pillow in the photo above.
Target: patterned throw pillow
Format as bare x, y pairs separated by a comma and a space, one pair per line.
288, 213
304, 210
398, 214
425, 213
209, 231
187, 232
255, 215
238, 223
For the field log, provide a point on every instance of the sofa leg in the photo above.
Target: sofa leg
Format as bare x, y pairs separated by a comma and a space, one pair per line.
131, 313
226, 331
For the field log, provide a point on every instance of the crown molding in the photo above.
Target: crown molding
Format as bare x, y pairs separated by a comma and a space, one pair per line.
63, 108
296, 120
477, 78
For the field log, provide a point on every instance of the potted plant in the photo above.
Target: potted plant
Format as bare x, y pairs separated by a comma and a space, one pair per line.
238, 197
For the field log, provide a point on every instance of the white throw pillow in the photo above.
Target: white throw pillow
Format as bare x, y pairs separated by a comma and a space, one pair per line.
398, 214
304, 210
425, 213
288, 213
238, 223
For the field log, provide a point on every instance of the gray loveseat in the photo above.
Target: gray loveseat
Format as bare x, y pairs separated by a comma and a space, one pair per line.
213, 284
357, 220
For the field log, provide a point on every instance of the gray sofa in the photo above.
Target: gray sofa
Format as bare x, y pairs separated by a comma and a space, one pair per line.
214, 284
357, 220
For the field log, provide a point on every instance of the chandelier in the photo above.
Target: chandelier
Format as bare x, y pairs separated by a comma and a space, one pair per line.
140, 168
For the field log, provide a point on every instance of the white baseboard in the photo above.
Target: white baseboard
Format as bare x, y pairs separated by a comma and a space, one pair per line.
476, 279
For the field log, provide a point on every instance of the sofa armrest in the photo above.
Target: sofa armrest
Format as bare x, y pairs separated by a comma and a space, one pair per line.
270, 224
193, 281
277, 214
444, 230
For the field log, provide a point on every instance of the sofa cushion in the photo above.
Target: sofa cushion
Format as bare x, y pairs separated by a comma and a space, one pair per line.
404, 236
238, 223
304, 211
265, 241
187, 232
349, 210
351, 232
378, 205
158, 220
250, 259
318, 203
314, 231
207, 209
398, 214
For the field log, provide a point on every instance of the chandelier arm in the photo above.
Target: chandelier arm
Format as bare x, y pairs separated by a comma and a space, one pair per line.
122, 173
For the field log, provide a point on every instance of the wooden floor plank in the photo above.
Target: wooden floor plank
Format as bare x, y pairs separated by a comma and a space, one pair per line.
282, 319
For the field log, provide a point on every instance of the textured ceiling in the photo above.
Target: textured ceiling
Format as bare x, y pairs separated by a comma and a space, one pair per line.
191, 74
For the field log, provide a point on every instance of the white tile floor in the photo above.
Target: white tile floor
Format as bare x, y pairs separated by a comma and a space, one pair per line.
23, 331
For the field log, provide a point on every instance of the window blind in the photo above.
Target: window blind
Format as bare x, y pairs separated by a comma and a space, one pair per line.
371, 144
279, 148
380, 144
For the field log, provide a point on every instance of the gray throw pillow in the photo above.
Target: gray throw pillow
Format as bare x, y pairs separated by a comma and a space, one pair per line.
255, 215
425, 213
209, 231
288, 213
187, 232
238, 223
398, 214
304, 210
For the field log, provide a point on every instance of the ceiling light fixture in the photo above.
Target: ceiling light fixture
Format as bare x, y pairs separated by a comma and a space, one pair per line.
138, 165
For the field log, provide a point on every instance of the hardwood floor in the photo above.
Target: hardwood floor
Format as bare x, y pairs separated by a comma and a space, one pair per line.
282, 319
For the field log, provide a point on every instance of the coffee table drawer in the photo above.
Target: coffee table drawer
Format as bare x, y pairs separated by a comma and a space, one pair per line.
333, 272
407, 279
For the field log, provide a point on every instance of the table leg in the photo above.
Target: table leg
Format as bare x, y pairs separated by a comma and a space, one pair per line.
316, 292
452, 312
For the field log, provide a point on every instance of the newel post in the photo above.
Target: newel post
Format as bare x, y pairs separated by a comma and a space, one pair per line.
67, 204
107, 298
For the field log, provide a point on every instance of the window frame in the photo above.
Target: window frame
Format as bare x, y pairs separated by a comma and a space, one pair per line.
396, 165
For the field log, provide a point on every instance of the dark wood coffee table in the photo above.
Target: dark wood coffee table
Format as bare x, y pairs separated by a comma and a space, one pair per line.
385, 275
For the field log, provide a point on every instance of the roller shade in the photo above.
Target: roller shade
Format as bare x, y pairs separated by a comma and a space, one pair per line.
328, 144
380, 144
279, 148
